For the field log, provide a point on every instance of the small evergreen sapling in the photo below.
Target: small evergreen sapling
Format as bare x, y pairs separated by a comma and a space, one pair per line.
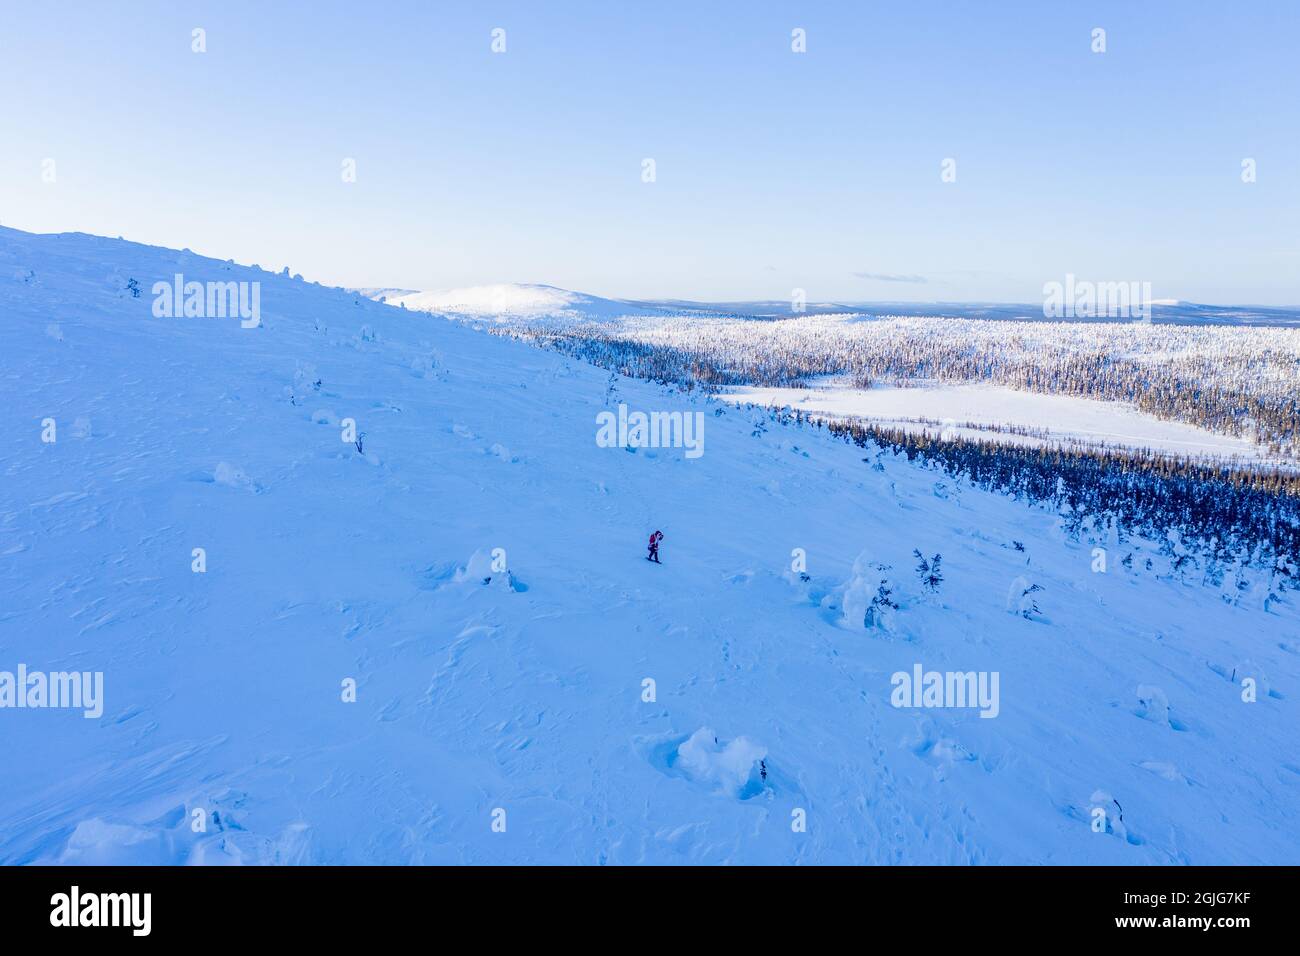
1028, 606
930, 572
881, 604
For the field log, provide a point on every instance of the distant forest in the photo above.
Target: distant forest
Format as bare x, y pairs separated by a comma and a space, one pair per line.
1243, 382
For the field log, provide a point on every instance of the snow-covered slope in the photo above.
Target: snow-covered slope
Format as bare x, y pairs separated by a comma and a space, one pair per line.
525, 691
514, 302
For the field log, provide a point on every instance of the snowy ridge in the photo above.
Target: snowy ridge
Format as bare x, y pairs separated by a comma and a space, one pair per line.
523, 690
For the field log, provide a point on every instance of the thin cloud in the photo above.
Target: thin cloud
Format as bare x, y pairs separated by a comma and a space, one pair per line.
890, 277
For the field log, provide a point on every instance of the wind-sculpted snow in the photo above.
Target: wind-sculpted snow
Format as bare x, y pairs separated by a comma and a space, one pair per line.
335, 626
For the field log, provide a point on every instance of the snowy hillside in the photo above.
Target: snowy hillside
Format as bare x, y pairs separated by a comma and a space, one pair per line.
594, 707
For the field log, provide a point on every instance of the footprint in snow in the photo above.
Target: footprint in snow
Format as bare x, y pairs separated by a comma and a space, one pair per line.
1164, 770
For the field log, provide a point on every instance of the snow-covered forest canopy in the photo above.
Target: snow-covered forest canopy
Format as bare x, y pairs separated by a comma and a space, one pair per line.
1238, 381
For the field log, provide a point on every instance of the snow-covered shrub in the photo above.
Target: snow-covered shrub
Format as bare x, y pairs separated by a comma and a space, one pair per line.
429, 364
305, 380
1247, 669
1020, 598
484, 569
880, 612
233, 476
306, 377
866, 599
726, 768
1111, 816
1179, 556
1153, 704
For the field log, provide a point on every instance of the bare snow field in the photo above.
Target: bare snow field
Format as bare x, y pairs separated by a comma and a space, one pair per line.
987, 411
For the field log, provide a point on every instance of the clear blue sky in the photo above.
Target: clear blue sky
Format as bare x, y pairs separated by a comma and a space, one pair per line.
775, 170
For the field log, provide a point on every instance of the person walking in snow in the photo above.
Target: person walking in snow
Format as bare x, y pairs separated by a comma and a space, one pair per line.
654, 547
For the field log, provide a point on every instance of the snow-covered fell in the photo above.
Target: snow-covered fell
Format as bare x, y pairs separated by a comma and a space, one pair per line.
513, 302
475, 562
